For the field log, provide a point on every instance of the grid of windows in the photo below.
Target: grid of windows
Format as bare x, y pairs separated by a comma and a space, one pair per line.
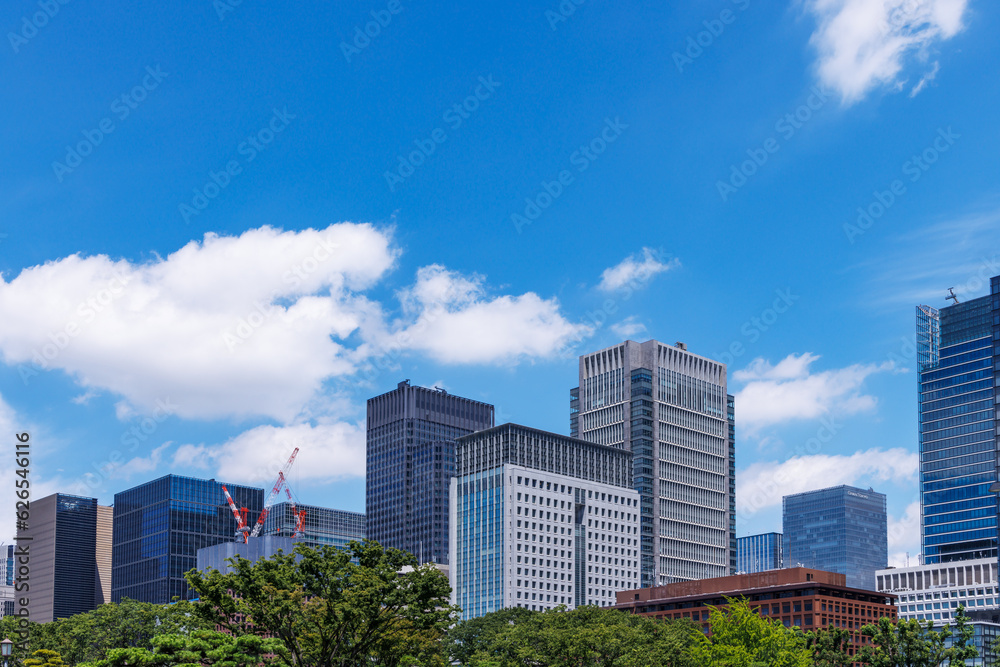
537, 537
670, 408
933, 592
410, 458
841, 529
322, 526
957, 431
158, 528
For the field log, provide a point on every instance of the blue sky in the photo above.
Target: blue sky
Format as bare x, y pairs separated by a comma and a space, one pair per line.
224, 226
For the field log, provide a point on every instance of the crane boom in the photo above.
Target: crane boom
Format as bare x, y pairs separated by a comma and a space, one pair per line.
274, 493
240, 520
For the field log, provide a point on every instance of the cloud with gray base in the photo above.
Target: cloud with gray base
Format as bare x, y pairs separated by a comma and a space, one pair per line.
866, 44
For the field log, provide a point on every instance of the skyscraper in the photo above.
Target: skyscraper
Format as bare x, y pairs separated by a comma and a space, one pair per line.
540, 520
958, 359
670, 408
158, 528
841, 529
759, 553
410, 460
63, 553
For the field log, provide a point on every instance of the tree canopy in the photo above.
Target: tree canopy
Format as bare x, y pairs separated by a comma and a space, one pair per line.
331, 606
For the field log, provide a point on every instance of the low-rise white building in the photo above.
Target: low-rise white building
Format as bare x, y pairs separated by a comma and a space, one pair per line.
933, 592
539, 520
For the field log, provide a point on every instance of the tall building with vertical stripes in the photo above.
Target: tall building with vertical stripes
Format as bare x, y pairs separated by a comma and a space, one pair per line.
671, 409
410, 459
758, 553
958, 359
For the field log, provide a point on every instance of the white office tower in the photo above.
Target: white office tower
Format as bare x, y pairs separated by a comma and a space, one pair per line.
671, 409
538, 520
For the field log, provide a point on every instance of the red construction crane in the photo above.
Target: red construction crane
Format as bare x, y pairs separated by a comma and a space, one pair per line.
300, 515
274, 494
240, 514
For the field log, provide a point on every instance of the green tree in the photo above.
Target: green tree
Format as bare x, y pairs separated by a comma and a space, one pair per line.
962, 646
44, 658
206, 648
828, 647
585, 637
905, 643
741, 638
468, 637
328, 610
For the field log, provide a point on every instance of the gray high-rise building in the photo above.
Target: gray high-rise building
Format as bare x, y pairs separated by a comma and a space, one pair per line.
410, 460
759, 553
958, 361
62, 540
841, 529
671, 409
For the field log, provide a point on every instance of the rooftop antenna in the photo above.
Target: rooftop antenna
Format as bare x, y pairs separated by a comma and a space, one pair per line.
951, 295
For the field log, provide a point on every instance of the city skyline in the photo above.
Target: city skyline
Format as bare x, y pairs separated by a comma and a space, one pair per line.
201, 269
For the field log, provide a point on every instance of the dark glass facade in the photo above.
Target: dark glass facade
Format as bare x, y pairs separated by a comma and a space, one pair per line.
322, 525
158, 528
759, 553
957, 361
410, 460
62, 530
75, 563
841, 529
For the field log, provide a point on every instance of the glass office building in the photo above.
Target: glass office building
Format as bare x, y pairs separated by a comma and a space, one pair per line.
158, 528
841, 529
671, 409
758, 553
322, 525
957, 356
410, 460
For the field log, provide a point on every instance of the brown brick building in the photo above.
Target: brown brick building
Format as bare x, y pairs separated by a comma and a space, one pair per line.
795, 596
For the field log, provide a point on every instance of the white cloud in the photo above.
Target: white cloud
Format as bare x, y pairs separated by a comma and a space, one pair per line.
904, 536
925, 79
636, 270
157, 330
763, 484
863, 44
327, 452
140, 464
628, 327
255, 325
788, 391
458, 323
